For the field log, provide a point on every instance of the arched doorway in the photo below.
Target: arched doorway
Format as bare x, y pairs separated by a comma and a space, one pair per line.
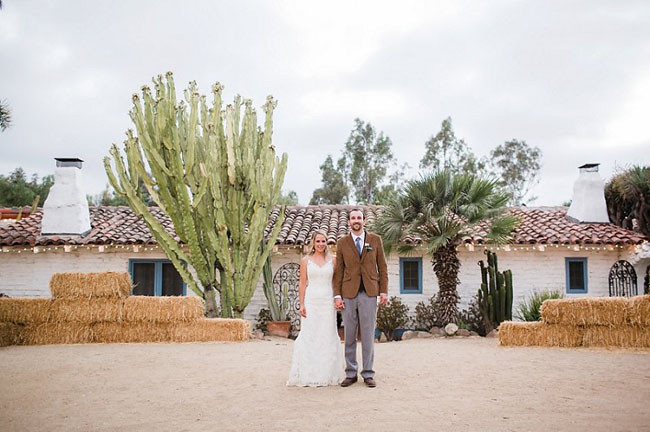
622, 280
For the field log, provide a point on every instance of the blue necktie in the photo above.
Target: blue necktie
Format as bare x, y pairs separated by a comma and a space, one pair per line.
359, 245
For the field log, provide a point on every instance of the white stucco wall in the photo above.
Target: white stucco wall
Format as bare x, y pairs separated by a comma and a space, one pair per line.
27, 274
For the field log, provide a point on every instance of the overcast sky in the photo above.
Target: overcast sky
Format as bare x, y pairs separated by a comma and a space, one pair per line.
572, 78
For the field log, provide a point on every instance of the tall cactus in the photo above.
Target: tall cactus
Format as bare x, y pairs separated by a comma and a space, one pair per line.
495, 295
217, 177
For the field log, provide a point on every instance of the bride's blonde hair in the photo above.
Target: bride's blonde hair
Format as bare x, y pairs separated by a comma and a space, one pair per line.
313, 245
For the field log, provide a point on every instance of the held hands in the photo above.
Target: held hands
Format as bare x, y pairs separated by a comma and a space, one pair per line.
383, 299
338, 304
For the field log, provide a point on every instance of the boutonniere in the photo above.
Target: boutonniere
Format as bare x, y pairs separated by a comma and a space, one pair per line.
368, 247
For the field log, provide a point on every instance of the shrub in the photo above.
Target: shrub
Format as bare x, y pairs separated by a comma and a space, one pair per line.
426, 315
263, 317
473, 318
392, 316
528, 310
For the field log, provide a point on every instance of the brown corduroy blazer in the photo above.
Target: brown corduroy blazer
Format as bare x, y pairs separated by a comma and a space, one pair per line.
351, 269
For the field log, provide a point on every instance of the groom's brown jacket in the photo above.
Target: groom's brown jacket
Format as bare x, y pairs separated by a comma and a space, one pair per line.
352, 269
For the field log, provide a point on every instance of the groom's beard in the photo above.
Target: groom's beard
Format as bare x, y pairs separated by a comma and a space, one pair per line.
356, 226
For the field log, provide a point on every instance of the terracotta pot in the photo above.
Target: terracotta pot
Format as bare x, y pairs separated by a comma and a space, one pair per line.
279, 328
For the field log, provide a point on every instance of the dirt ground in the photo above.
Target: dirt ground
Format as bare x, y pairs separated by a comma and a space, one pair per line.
426, 384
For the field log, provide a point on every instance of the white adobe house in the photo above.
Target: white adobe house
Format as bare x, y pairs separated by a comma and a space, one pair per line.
576, 251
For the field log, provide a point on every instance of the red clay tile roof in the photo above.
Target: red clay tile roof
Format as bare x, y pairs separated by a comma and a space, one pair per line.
119, 225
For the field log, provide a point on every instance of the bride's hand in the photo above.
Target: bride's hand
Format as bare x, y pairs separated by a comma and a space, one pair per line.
303, 312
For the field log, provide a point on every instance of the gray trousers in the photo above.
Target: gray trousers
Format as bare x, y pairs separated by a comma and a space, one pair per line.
360, 312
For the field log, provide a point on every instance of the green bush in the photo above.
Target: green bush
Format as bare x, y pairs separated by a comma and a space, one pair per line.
426, 315
392, 316
263, 317
473, 318
528, 310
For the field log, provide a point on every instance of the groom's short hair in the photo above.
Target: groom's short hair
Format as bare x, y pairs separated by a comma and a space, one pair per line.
356, 210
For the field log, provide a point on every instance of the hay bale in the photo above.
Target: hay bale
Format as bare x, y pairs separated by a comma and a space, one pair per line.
56, 333
129, 332
90, 285
586, 311
24, 310
639, 311
86, 310
210, 330
539, 334
163, 309
628, 336
10, 334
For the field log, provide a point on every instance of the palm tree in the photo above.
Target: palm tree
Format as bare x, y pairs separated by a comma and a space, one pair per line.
439, 209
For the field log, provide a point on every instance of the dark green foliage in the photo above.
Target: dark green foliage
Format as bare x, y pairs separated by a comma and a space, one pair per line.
518, 166
288, 199
445, 151
392, 316
427, 315
529, 310
495, 294
5, 113
363, 170
334, 189
263, 317
628, 199
473, 317
17, 191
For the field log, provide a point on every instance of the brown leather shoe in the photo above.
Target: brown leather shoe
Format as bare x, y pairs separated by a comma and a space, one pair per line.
347, 382
370, 382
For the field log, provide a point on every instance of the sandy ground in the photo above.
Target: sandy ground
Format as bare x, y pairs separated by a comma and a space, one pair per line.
426, 384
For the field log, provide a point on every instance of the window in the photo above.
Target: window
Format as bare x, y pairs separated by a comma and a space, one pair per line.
410, 275
576, 275
155, 278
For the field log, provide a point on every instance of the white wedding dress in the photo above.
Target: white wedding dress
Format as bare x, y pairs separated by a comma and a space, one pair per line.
317, 352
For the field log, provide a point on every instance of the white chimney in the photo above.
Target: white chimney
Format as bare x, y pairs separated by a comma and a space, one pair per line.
588, 204
65, 211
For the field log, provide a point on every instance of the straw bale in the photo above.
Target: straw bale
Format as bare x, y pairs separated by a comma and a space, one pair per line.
639, 311
608, 311
56, 333
628, 336
86, 310
211, 330
539, 334
24, 310
89, 285
163, 309
10, 334
125, 332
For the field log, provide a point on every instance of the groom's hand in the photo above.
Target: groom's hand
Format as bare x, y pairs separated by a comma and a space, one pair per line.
383, 299
338, 304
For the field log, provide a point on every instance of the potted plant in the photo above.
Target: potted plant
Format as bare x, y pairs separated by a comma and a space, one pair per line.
279, 325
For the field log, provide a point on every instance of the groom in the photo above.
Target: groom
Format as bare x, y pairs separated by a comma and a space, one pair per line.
359, 277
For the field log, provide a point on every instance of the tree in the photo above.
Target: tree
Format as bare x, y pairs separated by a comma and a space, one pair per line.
517, 165
446, 152
334, 190
440, 209
217, 177
290, 199
368, 156
628, 198
362, 169
16, 191
5, 116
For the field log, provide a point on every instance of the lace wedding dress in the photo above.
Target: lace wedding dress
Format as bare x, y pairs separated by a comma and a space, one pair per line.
317, 352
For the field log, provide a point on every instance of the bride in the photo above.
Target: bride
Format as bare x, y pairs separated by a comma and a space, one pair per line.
317, 353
